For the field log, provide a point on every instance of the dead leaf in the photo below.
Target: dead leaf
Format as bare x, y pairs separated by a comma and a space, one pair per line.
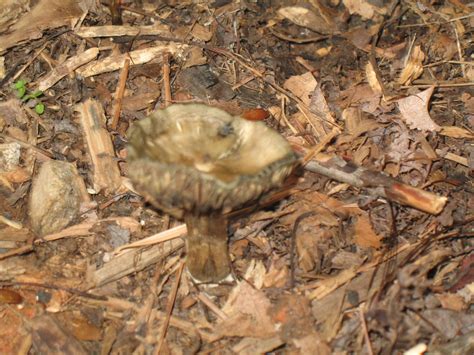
277, 275
247, 309
414, 110
413, 67
309, 18
10, 297
364, 8
140, 101
448, 322
364, 234
17, 176
49, 336
302, 86
81, 328
452, 301
45, 14
372, 79
201, 33
356, 122
195, 57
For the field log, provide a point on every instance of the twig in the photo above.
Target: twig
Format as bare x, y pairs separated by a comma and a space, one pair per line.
299, 40
119, 94
204, 299
43, 153
18, 251
379, 184
19, 72
169, 308
438, 85
458, 44
366, 332
166, 79
320, 146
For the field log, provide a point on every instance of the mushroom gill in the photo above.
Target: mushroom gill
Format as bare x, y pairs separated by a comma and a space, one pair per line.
197, 163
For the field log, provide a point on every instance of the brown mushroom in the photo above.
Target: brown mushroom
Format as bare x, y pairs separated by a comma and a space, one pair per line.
197, 163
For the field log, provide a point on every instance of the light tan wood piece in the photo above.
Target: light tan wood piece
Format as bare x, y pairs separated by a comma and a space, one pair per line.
106, 173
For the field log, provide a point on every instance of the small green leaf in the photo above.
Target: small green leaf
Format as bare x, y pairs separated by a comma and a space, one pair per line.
20, 84
39, 108
21, 91
25, 97
36, 94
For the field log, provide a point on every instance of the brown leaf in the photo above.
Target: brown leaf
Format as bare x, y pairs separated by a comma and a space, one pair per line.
302, 86
310, 18
10, 297
364, 8
201, 33
414, 110
364, 234
372, 79
17, 176
451, 301
247, 309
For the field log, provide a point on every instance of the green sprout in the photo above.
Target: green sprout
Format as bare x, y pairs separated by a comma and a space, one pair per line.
25, 96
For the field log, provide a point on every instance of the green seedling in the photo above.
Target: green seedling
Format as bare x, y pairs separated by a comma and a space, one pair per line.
25, 96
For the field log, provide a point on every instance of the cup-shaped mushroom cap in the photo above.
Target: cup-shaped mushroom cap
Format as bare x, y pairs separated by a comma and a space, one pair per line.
200, 159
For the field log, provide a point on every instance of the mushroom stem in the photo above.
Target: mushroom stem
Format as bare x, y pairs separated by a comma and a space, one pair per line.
206, 247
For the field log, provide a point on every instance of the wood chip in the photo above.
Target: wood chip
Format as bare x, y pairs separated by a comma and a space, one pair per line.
140, 56
106, 173
66, 68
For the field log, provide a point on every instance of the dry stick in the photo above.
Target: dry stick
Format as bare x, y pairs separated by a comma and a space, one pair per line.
379, 184
211, 305
43, 153
166, 79
119, 94
366, 332
437, 85
463, 67
320, 146
169, 308
17, 75
18, 251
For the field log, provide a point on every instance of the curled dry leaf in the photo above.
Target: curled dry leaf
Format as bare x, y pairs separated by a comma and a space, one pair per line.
372, 79
316, 20
414, 110
364, 8
413, 67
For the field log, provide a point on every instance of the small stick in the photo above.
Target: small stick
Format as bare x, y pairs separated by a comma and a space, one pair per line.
166, 79
379, 184
119, 94
366, 332
17, 75
169, 308
320, 146
204, 299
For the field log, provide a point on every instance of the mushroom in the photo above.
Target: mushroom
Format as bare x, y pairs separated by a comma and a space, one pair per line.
198, 163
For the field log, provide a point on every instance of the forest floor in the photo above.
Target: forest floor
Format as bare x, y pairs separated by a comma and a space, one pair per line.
368, 247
